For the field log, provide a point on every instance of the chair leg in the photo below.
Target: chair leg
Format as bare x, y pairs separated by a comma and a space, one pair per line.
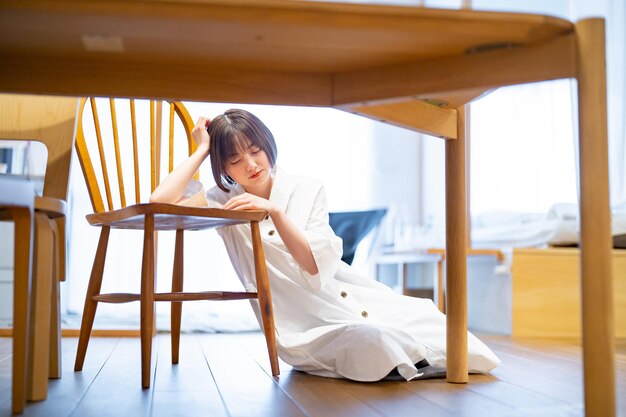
177, 286
89, 311
60, 255
21, 305
54, 365
40, 313
147, 300
265, 297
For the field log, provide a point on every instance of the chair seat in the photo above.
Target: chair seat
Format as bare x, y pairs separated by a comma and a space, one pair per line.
53, 207
173, 217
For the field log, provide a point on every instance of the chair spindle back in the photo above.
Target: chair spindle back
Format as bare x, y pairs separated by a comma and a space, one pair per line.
117, 139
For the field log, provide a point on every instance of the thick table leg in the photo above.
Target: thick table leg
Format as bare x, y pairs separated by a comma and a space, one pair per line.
456, 256
596, 274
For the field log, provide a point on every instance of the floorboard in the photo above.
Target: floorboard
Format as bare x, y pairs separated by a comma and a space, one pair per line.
66, 393
245, 388
190, 379
317, 396
5, 375
555, 363
117, 389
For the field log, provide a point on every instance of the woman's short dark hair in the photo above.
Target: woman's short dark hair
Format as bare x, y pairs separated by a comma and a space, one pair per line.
231, 130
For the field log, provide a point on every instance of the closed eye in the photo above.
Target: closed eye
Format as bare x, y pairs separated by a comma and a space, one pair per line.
235, 162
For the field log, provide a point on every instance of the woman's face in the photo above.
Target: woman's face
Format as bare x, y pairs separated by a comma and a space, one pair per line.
249, 167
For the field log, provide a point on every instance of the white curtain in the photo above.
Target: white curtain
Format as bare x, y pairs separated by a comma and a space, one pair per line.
614, 11
522, 150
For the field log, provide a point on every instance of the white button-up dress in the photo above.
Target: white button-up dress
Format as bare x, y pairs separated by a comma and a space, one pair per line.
337, 323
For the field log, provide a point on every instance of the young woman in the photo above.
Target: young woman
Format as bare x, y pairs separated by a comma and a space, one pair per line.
330, 320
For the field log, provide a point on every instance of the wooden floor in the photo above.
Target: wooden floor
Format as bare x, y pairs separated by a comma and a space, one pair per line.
228, 375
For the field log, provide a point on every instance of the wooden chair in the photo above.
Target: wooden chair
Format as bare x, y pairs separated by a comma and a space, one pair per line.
150, 218
16, 204
51, 121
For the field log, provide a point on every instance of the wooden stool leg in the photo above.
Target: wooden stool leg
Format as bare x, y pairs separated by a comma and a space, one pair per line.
54, 364
147, 300
21, 306
61, 254
456, 256
40, 313
177, 286
265, 297
595, 221
89, 311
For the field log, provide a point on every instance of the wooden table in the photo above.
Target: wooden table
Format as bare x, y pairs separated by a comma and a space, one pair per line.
411, 67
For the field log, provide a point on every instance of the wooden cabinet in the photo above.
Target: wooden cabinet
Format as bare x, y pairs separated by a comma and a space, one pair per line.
546, 292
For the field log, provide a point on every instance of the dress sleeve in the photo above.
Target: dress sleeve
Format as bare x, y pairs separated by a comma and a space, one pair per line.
214, 200
193, 187
327, 248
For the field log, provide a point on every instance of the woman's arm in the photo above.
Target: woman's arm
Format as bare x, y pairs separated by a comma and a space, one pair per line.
295, 241
172, 187
293, 237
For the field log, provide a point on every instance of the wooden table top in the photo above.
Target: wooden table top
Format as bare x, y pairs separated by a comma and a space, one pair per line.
260, 51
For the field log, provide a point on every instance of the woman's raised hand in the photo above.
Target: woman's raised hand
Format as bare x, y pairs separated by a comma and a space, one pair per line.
200, 134
173, 186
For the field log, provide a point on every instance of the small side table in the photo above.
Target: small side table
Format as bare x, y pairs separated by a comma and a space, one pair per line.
404, 258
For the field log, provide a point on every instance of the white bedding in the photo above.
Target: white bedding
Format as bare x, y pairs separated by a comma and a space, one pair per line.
558, 227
